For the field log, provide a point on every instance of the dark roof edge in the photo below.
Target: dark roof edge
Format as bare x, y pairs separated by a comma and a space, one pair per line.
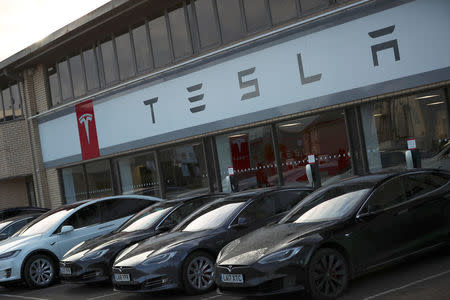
62, 31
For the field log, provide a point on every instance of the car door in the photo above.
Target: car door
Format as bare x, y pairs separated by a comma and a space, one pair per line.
382, 228
429, 197
87, 224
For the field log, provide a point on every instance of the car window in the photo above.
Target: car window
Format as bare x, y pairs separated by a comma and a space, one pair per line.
185, 210
145, 220
86, 216
122, 207
286, 200
258, 210
419, 184
13, 228
387, 195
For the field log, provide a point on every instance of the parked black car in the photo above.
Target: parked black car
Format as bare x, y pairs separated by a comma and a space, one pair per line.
91, 261
184, 257
339, 232
17, 211
10, 226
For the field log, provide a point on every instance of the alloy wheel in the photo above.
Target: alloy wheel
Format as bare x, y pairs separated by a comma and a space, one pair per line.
41, 272
328, 274
200, 272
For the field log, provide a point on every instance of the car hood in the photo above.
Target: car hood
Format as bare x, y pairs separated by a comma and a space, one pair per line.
159, 244
253, 246
17, 242
115, 242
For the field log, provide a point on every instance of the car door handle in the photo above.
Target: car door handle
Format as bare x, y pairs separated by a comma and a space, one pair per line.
404, 211
103, 227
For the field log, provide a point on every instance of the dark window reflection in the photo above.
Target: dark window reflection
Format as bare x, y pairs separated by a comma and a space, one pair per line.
125, 56
282, 10
64, 76
16, 100
138, 175
179, 32
74, 184
184, 170
160, 41
323, 135
90, 66
99, 179
310, 6
7, 104
256, 14
250, 155
142, 48
76, 69
53, 81
230, 18
389, 124
109, 62
207, 23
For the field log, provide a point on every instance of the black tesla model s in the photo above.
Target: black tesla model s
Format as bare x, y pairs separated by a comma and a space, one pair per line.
184, 257
91, 261
339, 232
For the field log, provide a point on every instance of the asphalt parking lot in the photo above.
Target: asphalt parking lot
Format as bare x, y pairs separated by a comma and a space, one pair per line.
425, 277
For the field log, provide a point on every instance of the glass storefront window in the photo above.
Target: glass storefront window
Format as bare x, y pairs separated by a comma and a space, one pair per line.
250, 156
389, 124
99, 179
138, 175
184, 170
323, 135
74, 184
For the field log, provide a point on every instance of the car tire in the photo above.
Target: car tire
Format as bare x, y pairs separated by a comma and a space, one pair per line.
39, 271
198, 273
328, 274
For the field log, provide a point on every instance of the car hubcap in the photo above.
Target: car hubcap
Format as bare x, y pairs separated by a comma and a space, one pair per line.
329, 275
200, 273
41, 271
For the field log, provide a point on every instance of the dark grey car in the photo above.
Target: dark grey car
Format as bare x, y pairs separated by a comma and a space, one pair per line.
184, 258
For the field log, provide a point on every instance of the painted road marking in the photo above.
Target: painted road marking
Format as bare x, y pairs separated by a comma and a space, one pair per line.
407, 285
22, 297
103, 296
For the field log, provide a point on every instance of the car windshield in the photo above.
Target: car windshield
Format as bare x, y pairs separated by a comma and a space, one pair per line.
47, 221
146, 219
330, 204
211, 217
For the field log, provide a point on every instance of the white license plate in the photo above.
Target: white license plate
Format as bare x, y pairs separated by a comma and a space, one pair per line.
122, 277
65, 271
232, 278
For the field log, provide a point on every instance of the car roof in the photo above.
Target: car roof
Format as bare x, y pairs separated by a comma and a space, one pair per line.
22, 208
20, 217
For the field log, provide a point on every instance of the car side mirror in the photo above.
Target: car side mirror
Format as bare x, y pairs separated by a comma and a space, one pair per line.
167, 226
241, 223
66, 228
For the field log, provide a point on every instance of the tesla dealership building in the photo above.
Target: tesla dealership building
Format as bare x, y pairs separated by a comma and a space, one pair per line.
169, 98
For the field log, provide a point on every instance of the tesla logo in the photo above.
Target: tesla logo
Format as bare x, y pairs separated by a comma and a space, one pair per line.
85, 119
87, 130
229, 268
239, 142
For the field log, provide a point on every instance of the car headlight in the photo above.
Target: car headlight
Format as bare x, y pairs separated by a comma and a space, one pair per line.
10, 254
94, 254
158, 259
281, 255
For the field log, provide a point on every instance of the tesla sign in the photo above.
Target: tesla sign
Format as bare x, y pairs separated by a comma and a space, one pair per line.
87, 130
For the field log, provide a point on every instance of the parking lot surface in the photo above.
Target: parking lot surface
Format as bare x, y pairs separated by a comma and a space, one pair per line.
425, 277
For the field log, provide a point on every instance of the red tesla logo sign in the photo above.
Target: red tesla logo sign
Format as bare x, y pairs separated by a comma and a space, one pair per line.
87, 130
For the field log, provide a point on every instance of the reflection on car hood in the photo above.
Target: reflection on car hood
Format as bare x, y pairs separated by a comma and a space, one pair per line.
253, 246
113, 241
163, 243
17, 242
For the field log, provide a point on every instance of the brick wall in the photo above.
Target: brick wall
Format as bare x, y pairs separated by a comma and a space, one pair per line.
13, 192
